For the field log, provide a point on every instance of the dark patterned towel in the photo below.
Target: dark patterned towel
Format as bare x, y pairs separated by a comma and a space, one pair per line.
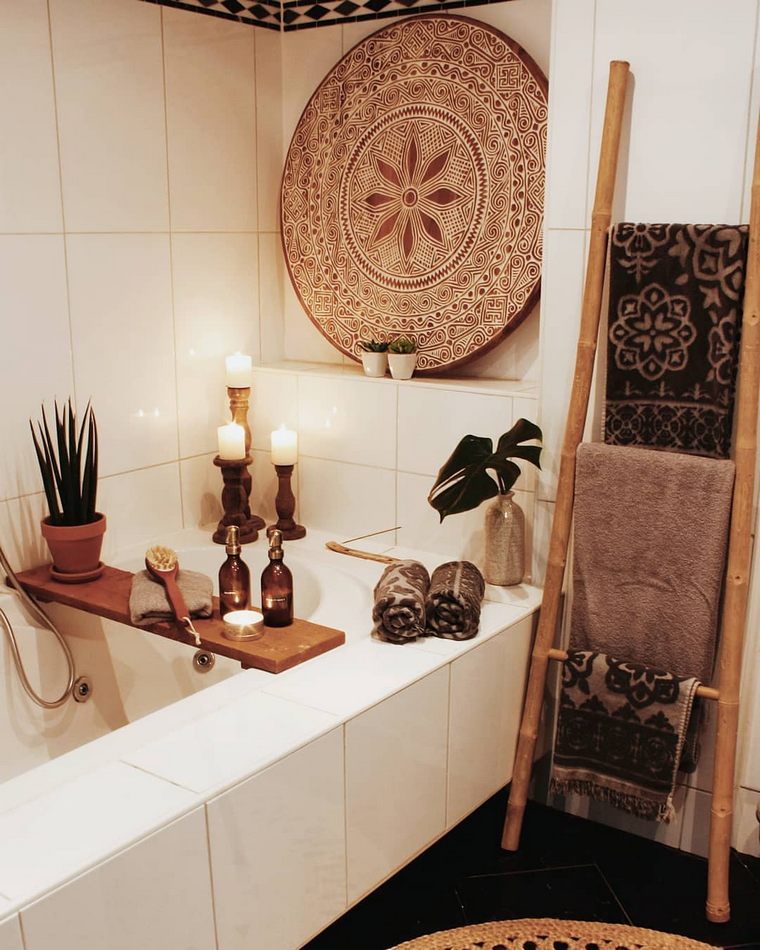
675, 305
620, 733
453, 604
399, 609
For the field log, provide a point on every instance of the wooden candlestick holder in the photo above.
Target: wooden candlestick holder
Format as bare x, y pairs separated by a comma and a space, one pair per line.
239, 404
235, 501
285, 503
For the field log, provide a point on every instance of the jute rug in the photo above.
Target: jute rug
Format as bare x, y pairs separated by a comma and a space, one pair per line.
539, 934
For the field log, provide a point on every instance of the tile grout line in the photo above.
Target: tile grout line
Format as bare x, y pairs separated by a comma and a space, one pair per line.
614, 894
63, 207
171, 272
211, 874
745, 182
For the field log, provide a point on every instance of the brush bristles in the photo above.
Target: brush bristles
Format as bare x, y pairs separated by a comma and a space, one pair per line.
161, 558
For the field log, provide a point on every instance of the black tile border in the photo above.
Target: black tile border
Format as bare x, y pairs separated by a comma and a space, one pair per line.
293, 15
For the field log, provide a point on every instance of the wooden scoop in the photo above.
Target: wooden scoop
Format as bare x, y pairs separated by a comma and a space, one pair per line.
163, 564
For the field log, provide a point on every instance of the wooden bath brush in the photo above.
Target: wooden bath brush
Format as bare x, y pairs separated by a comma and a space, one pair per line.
163, 564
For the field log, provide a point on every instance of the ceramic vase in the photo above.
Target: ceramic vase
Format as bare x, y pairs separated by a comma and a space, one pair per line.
402, 364
375, 364
75, 550
505, 542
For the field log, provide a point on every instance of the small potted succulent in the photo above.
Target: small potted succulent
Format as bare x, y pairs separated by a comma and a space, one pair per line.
402, 357
464, 482
73, 528
374, 357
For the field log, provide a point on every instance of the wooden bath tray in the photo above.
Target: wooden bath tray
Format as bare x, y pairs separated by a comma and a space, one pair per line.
108, 596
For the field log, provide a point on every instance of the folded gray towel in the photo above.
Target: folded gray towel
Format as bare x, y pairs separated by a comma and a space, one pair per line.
148, 603
454, 599
399, 609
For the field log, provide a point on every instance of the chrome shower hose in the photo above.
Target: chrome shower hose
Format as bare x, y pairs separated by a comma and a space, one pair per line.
46, 622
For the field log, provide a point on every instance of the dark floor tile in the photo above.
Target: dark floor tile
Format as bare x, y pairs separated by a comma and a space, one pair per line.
665, 889
578, 893
752, 864
393, 914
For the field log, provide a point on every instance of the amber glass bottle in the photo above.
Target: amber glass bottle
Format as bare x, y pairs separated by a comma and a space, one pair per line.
276, 587
234, 576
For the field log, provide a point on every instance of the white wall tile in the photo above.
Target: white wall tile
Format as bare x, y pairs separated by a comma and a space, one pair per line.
216, 313
147, 905
274, 402
395, 780
424, 442
62, 833
201, 492
349, 500
109, 86
487, 686
140, 506
567, 159
667, 834
542, 526
21, 537
695, 823
347, 420
528, 22
211, 122
272, 279
305, 61
30, 199
269, 144
517, 356
564, 263
35, 353
122, 328
746, 830
278, 835
10, 934
685, 94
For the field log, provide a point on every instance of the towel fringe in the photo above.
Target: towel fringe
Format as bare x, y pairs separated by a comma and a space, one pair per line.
633, 804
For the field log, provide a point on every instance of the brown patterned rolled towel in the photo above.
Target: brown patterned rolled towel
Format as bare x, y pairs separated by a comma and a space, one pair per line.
399, 610
453, 604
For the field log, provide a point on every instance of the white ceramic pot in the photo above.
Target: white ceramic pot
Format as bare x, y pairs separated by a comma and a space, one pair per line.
375, 364
402, 364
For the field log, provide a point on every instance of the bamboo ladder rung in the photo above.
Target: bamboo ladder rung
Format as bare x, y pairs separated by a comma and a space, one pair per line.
705, 692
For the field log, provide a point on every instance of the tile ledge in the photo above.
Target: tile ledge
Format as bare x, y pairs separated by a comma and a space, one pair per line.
501, 387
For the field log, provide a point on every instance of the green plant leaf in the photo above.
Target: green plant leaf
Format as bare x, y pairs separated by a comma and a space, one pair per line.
463, 481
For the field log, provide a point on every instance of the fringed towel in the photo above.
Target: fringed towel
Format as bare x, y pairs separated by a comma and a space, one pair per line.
453, 604
675, 305
399, 609
649, 553
620, 733
148, 603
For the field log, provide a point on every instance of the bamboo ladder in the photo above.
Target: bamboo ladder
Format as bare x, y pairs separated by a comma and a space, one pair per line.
739, 548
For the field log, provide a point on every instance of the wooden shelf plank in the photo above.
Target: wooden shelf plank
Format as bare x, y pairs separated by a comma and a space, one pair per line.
279, 649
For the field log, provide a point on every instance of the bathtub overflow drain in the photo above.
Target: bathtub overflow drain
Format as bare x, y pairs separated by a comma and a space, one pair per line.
82, 689
203, 661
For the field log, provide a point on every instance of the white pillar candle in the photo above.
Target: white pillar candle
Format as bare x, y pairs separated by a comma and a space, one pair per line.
239, 369
231, 441
284, 446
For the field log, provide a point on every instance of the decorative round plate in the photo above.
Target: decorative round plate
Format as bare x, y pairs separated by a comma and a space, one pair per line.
412, 195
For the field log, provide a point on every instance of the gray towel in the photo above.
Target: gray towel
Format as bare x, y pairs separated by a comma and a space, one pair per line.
453, 604
399, 609
148, 603
649, 555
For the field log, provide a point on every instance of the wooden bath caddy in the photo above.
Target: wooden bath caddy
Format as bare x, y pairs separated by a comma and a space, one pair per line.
108, 596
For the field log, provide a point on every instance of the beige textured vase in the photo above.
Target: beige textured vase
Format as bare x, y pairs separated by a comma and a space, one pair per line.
505, 542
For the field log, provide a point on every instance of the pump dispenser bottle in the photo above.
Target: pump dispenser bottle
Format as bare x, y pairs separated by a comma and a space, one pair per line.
276, 587
234, 576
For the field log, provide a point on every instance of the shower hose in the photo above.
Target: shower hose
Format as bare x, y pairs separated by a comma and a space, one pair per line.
46, 622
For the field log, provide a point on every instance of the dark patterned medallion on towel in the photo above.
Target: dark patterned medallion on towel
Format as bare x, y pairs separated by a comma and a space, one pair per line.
675, 306
620, 733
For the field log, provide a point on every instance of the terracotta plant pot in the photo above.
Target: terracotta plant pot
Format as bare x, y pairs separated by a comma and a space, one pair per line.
75, 549
375, 364
402, 364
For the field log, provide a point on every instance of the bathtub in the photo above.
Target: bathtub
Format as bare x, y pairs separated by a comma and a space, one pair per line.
276, 802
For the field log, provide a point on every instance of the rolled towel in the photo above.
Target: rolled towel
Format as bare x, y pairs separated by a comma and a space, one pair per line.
453, 603
399, 610
148, 603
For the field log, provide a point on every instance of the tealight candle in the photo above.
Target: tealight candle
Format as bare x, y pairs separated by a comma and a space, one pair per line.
284, 446
243, 625
231, 441
239, 369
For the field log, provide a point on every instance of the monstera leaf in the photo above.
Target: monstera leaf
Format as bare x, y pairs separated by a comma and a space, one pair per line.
464, 481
